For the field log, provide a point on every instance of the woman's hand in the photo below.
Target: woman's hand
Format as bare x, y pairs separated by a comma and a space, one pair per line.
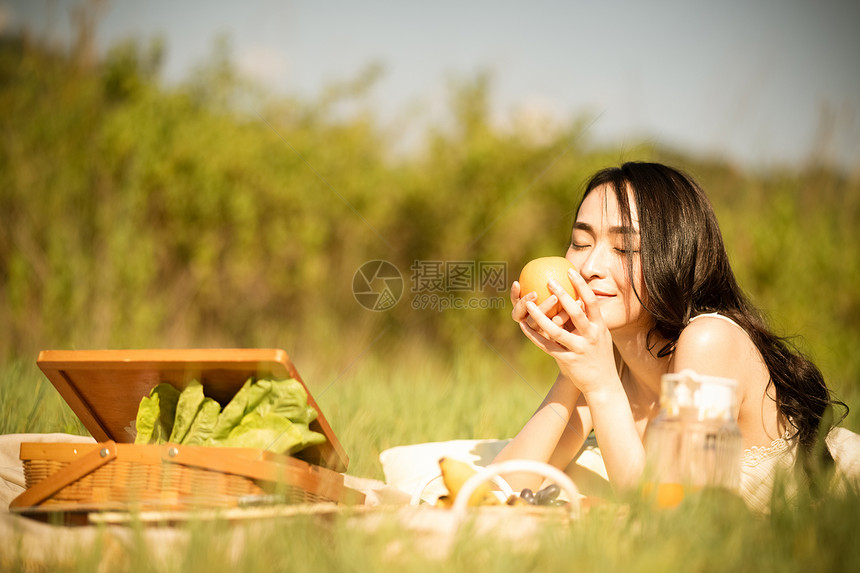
520, 313
582, 345
583, 349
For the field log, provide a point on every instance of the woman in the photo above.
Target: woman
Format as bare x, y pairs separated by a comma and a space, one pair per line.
657, 295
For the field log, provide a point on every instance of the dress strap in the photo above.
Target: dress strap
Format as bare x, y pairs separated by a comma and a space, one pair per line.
715, 315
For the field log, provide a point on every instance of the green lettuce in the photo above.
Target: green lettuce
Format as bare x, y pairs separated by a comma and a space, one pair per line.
271, 415
186, 411
203, 424
244, 402
156, 414
287, 398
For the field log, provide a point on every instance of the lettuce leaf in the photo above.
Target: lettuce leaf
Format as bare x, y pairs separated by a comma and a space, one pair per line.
203, 424
271, 432
275, 417
147, 415
186, 411
245, 400
288, 399
264, 414
155, 415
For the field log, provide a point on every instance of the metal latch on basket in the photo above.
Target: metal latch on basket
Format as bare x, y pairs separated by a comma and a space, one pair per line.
73, 471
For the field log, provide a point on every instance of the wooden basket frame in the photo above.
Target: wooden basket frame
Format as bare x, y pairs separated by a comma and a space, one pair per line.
104, 388
108, 475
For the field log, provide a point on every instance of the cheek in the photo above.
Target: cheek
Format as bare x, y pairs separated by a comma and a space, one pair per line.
574, 257
619, 271
640, 278
623, 279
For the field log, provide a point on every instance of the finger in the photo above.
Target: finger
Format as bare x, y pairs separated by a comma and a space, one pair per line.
570, 307
586, 295
515, 292
552, 330
579, 318
540, 339
519, 313
561, 318
562, 295
585, 316
546, 306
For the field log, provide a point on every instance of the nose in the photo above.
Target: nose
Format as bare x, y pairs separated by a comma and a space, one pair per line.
594, 264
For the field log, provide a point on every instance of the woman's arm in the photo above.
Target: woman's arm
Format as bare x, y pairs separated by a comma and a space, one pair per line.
585, 355
554, 434
557, 429
620, 443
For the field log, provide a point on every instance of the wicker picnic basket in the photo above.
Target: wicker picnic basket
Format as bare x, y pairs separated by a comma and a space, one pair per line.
104, 388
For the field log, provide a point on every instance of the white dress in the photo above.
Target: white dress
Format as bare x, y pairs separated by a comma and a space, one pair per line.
762, 466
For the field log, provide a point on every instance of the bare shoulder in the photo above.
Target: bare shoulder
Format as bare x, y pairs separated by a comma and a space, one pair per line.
716, 346
707, 331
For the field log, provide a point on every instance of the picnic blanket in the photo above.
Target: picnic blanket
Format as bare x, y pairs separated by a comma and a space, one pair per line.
49, 546
45, 544
405, 467
409, 472
413, 468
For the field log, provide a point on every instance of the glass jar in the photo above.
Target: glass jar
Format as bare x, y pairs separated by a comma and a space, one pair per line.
695, 441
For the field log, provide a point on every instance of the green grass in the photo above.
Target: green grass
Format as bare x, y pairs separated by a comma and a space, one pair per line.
30, 404
372, 406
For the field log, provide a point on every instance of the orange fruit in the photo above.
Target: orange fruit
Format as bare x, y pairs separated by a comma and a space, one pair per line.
666, 495
536, 275
669, 495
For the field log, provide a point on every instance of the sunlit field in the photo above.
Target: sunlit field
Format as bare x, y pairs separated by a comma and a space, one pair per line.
214, 214
377, 407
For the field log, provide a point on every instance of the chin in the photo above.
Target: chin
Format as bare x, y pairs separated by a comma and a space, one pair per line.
623, 323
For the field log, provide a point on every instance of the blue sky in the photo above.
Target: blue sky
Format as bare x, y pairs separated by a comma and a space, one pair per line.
757, 81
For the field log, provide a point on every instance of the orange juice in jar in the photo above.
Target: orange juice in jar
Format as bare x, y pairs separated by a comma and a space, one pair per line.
695, 441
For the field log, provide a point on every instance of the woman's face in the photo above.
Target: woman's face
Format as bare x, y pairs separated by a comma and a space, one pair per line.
597, 249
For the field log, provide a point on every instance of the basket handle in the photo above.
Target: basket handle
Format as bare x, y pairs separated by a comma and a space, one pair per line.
286, 470
416, 494
104, 453
495, 470
228, 462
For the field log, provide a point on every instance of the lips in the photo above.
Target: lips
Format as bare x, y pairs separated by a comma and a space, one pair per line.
601, 294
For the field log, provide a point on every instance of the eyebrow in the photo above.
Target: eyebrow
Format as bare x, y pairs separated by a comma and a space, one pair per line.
616, 230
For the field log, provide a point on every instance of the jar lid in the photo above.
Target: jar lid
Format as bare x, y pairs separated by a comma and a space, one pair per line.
709, 397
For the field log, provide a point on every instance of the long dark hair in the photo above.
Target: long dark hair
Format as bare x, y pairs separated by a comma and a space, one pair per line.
686, 272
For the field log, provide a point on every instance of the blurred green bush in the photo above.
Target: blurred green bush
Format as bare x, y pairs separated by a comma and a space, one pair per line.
214, 213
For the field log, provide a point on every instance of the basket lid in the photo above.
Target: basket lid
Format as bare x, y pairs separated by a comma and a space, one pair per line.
104, 387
